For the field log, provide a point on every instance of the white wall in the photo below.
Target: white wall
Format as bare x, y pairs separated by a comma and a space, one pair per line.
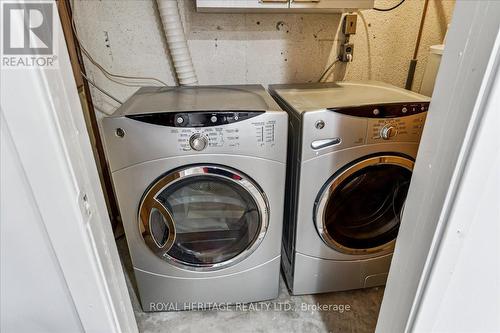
126, 37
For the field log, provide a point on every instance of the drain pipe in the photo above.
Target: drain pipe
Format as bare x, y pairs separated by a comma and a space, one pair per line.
413, 61
176, 41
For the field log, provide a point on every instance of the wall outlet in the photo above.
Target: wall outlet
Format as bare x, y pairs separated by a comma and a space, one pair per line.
346, 52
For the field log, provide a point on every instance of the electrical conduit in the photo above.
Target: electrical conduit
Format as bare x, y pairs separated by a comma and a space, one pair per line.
176, 41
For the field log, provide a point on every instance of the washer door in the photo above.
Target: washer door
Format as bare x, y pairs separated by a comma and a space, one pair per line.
203, 217
359, 209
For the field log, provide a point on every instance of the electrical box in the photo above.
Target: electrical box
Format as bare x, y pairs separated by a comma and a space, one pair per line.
282, 6
349, 24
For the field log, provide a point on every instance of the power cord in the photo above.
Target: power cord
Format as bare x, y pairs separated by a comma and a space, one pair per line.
389, 9
327, 70
92, 83
112, 77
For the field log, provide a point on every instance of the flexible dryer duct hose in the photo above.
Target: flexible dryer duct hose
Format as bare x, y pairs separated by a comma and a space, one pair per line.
176, 41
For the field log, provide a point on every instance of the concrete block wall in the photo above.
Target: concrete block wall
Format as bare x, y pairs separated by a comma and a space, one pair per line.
126, 37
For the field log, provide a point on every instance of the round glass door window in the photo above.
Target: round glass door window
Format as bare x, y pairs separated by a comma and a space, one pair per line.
209, 217
360, 209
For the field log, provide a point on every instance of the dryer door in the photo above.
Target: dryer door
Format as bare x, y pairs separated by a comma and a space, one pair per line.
359, 209
203, 217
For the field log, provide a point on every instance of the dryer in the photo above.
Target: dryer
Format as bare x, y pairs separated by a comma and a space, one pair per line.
199, 175
352, 147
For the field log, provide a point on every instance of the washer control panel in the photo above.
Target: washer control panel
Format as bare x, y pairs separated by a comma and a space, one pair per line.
387, 110
403, 129
401, 122
325, 131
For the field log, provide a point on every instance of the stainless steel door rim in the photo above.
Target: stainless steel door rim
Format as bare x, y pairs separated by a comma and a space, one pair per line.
333, 184
150, 202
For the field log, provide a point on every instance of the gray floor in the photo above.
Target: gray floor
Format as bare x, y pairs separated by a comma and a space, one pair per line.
285, 314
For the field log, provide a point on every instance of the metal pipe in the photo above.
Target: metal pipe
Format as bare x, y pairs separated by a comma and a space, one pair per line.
413, 62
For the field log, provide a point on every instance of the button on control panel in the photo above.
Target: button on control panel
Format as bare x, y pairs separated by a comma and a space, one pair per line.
320, 124
388, 132
198, 141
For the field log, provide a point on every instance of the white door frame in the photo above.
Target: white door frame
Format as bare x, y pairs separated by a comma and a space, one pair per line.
42, 111
463, 90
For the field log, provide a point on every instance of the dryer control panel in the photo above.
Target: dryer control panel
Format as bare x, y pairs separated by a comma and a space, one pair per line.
258, 133
201, 130
195, 118
130, 140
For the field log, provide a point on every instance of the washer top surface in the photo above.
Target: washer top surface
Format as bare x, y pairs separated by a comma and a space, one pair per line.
311, 97
149, 100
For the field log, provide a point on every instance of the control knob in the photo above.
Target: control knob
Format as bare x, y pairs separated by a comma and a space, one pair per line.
198, 141
388, 132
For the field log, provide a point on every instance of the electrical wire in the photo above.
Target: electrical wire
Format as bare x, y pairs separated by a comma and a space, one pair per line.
368, 46
346, 72
327, 70
111, 76
100, 89
389, 9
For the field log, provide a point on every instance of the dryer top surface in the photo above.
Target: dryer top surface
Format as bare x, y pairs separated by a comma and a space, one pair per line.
311, 97
149, 100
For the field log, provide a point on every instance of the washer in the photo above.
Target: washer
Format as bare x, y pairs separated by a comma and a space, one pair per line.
199, 174
352, 147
